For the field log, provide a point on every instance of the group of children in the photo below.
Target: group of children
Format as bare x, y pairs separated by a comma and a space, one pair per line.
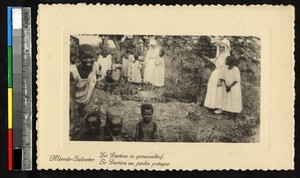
108, 69
145, 131
136, 65
111, 66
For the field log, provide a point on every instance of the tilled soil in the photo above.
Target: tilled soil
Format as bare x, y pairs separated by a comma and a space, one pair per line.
177, 121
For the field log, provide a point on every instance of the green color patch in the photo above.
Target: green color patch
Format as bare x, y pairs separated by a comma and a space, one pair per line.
9, 67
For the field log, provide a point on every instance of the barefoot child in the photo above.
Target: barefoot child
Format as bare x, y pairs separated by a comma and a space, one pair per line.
134, 69
146, 129
116, 70
105, 60
141, 57
230, 76
109, 82
124, 69
85, 76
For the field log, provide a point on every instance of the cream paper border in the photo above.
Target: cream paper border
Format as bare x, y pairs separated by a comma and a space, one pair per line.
273, 24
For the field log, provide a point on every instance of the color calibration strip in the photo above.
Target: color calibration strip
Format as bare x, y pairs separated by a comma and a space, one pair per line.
19, 84
10, 89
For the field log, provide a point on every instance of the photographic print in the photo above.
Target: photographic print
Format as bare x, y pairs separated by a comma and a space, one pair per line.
155, 88
165, 87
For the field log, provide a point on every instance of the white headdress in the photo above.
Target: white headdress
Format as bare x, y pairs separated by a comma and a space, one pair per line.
152, 42
225, 42
111, 44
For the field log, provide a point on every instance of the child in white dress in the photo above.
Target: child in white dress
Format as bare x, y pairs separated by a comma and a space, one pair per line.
124, 68
232, 95
105, 60
134, 69
116, 69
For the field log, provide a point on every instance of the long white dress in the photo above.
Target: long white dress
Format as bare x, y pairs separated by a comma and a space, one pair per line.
158, 77
116, 69
232, 100
124, 70
151, 56
214, 93
134, 70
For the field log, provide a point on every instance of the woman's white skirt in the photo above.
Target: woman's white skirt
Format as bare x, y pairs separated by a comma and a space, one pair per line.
214, 96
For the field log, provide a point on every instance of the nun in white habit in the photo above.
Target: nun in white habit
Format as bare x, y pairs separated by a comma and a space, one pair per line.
152, 55
213, 99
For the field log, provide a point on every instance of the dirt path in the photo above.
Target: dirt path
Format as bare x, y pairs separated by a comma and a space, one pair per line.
177, 122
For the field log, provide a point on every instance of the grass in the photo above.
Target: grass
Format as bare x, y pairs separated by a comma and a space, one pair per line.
178, 121
179, 109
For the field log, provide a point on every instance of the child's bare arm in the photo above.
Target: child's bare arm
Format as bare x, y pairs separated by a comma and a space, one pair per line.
228, 88
233, 84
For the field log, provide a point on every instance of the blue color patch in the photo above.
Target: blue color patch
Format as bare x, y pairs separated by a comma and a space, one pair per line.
9, 26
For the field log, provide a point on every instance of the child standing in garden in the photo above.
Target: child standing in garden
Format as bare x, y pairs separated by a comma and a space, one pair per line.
146, 129
109, 82
116, 70
124, 68
105, 60
134, 69
232, 95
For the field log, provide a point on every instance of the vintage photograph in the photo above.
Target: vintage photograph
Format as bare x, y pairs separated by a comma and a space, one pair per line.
172, 88
154, 88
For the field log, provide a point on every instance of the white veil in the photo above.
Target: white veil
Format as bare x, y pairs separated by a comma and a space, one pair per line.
225, 42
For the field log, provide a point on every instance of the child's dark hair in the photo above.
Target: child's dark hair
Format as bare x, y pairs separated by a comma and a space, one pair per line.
231, 60
146, 107
161, 53
84, 48
93, 114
